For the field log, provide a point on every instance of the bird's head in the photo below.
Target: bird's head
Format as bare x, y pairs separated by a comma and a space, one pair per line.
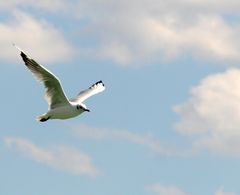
82, 107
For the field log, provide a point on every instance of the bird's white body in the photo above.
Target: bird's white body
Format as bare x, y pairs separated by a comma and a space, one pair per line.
62, 112
60, 107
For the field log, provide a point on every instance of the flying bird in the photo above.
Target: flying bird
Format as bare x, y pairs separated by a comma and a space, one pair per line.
60, 107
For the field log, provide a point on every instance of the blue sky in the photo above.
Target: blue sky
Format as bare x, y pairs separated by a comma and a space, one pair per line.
168, 121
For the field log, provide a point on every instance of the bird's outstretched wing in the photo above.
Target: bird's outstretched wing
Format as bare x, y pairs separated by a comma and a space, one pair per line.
54, 93
94, 89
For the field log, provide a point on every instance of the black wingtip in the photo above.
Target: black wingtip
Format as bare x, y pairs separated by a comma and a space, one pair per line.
24, 56
99, 82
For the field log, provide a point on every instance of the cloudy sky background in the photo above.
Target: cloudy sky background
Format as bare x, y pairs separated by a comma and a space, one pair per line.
168, 122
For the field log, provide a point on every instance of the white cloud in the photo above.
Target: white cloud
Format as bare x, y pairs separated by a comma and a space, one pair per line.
60, 157
165, 190
212, 113
36, 37
221, 192
146, 140
151, 30
163, 30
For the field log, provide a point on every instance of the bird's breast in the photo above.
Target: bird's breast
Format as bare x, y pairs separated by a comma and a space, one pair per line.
64, 112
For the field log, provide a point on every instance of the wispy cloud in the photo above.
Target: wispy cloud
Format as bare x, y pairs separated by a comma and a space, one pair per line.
222, 192
37, 37
160, 189
147, 140
44, 5
60, 157
212, 113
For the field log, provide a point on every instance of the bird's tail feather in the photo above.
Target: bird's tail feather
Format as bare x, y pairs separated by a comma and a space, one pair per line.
43, 118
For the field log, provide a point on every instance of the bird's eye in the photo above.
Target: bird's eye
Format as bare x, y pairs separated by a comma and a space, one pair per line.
80, 107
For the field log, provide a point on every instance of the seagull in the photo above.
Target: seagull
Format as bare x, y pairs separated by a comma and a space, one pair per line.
60, 107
